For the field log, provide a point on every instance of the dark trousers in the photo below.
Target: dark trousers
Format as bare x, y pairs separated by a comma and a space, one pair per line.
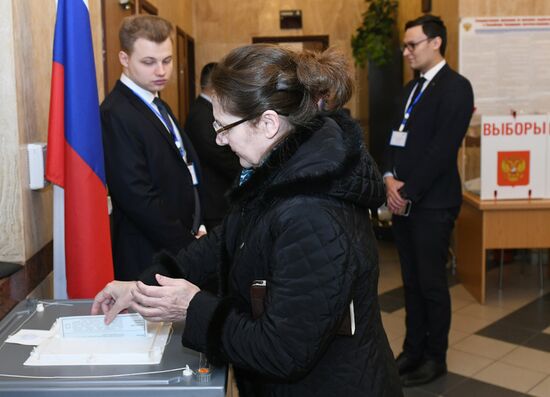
422, 240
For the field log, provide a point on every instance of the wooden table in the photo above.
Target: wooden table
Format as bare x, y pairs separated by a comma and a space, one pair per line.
492, 224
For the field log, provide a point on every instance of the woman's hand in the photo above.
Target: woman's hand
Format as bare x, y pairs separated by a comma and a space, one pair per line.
169, 302
114, 298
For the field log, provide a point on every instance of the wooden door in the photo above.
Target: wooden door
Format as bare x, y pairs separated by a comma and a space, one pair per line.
145, 7
186, 73
112, 14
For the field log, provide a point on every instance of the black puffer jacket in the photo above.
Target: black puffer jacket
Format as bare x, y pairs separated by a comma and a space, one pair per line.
301, 223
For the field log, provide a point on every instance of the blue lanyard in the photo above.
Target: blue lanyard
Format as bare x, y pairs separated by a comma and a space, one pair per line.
177, 140
153, 108
409, 109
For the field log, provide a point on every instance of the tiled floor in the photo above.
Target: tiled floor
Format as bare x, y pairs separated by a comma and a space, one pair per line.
499, 349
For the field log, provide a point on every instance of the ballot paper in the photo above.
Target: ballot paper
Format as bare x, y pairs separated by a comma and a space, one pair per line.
86, 340
29, 337
124, 325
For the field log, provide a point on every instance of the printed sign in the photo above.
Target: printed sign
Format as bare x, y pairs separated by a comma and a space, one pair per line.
514, 156
513, 168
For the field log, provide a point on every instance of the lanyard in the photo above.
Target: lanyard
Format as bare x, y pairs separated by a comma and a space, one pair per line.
175, 134
153, 108
410, 108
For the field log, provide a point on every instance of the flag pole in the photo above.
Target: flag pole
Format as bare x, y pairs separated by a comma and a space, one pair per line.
59, 274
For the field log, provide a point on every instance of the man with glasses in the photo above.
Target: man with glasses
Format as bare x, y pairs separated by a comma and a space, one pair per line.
423, 191
220, 166
151, 166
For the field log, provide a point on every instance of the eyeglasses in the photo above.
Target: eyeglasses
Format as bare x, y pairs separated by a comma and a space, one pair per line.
412, 45
218, 128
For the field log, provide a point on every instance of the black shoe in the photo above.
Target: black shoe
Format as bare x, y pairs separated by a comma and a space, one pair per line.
425, 373
406, 363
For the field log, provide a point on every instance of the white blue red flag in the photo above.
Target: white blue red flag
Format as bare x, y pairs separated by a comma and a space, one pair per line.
75, 155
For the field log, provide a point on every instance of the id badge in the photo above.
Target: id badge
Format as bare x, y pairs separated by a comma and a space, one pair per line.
191, 169
398, 138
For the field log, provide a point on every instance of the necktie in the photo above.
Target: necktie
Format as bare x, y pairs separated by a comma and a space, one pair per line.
418, 89
164, 115
166, 118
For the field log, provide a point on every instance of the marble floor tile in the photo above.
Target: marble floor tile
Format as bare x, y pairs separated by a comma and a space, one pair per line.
394, 326
540, 341
510, 377
468, 324
486, 311
456, 336
459, 292
475, 388
485, 347
465, 364
542, 389
525, 357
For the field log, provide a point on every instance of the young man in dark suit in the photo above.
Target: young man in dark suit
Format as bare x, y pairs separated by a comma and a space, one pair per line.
220, 166
151, 165
424, 193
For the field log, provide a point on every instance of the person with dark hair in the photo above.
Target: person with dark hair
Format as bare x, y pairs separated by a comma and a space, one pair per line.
424, 193
220, 166
297, 311
150, 164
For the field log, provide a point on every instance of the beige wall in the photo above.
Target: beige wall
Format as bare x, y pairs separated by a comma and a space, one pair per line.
471, 8
180, 13
221, 26
26, 35
11, 211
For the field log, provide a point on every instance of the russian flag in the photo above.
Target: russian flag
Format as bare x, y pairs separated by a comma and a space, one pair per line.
75, 158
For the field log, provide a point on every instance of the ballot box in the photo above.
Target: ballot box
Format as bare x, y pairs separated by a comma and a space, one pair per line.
164, 379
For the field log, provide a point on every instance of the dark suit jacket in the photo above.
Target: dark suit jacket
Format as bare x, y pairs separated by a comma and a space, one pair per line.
149, 183
436, 127
220, 166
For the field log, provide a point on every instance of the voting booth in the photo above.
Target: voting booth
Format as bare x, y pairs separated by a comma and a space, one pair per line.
168, 370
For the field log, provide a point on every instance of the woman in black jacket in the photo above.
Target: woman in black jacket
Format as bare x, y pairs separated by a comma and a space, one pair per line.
298, 230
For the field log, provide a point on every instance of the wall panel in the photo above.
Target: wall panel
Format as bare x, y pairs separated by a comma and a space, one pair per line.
180, 13
27, 37
470, 8
222, 26
11, 212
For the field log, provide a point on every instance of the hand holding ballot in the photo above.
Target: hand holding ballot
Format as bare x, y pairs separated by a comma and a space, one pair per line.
167, 302
115, 297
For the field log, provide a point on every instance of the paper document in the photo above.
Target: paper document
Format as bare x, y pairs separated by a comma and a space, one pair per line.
29, 337
124, 325
59, 350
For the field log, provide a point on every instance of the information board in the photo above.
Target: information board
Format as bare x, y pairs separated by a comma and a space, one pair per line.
507, 60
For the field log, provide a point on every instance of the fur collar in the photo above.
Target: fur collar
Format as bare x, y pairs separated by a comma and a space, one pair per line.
308, 161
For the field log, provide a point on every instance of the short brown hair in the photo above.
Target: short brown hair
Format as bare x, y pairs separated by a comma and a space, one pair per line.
147, 27
260, 77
